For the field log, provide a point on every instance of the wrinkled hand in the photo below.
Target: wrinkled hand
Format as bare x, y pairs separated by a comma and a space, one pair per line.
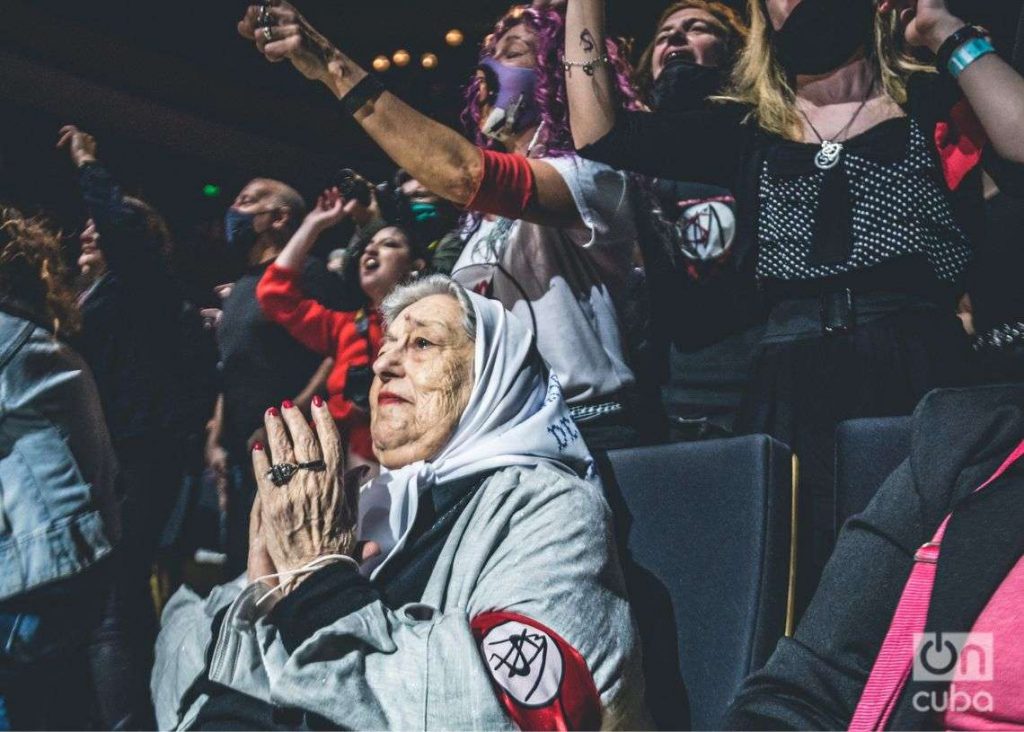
280, 32
312, 515
260, 565
81, 145
259, 436
330, 210
926, 23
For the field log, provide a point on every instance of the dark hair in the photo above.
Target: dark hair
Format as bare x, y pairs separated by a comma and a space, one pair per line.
32, 271
157, 230
727, 21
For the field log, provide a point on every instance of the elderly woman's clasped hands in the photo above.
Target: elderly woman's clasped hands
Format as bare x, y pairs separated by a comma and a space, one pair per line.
303, 511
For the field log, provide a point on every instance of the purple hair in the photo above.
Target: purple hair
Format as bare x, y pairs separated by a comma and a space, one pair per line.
549, 27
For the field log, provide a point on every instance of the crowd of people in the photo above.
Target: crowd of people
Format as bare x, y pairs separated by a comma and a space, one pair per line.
776, 221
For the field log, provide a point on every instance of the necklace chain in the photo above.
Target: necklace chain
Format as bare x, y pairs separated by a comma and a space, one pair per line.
832, 148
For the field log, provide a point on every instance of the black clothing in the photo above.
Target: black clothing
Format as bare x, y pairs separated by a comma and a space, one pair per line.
834, 238
881, 202
996, 282
709, 276
801, 389
261, 364
997, 293
959, 438
132, 321
155, 383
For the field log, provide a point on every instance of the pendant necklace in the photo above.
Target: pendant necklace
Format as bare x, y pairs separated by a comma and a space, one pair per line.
832, 148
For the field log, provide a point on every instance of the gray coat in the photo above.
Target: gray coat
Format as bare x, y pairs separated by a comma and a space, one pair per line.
58, 513
533, 541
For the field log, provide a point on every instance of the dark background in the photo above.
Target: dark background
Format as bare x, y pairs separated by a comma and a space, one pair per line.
177, 99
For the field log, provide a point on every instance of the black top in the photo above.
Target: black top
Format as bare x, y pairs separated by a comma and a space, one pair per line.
958, 439
261, 364
885, 194
995, 280
132, 321
723, 146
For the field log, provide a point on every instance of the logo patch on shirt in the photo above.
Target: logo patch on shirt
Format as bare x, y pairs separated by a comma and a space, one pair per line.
524, 661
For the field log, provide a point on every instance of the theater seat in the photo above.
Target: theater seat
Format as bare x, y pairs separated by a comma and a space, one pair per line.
867, 451
704, 533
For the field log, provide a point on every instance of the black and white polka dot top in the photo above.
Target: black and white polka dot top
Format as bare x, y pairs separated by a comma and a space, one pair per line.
896, 199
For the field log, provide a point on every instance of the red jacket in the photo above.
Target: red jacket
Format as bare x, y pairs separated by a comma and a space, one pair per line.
331, 333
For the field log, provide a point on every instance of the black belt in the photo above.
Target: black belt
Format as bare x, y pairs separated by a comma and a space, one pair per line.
836, 313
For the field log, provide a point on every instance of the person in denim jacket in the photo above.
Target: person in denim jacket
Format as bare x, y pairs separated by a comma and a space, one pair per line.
58, 515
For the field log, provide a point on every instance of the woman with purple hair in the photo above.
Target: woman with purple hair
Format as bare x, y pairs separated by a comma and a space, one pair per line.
550, 235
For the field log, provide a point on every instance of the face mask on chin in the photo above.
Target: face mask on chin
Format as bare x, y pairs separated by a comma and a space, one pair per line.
512, 100
820, 35
683, 86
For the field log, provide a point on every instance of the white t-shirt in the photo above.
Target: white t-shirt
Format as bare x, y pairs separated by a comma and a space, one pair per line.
564, 283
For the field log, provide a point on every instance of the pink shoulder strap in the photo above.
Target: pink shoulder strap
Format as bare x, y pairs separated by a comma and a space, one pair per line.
892, 667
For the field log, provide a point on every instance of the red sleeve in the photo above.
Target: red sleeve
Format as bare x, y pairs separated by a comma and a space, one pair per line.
307, 321
960, 140
506, 188
541, 681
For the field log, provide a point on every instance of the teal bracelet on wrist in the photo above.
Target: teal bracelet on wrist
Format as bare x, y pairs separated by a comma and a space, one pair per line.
967, 54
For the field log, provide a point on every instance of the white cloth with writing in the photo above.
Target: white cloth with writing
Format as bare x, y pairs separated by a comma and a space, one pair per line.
516, 416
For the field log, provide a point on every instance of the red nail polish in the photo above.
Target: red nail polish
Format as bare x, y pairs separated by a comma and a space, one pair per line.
317, 401
287, 404
257, 446
273, 412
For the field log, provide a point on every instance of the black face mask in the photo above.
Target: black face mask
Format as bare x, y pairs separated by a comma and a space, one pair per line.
819, 35
683, 86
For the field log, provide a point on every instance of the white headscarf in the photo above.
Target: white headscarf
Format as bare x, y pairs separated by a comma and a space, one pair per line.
516, 416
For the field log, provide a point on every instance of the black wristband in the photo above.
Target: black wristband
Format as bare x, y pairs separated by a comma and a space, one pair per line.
366, 90
949, 46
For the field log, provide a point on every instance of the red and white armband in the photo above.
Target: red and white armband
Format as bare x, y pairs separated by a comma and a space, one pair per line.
542, 682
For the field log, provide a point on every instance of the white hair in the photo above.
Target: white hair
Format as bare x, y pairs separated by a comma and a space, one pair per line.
436, 284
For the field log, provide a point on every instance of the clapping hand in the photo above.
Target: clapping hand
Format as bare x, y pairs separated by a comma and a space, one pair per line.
305, 509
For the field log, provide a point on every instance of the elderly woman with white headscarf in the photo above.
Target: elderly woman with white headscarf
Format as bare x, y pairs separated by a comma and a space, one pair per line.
473, 585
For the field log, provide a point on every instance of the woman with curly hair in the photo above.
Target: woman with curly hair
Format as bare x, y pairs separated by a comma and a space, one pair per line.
857, 172
551, 235
59, 519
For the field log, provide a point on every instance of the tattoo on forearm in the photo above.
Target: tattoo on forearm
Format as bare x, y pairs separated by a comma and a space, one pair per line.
587, 42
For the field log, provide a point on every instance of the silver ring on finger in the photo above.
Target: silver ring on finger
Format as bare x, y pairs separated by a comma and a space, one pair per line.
268, 33
282, 473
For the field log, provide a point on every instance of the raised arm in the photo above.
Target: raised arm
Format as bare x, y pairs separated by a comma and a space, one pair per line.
280, 292
128, 245
450, 166
993, 88
591, 90
700, 146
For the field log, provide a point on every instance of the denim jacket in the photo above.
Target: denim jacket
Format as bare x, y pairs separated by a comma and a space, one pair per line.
58, 511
